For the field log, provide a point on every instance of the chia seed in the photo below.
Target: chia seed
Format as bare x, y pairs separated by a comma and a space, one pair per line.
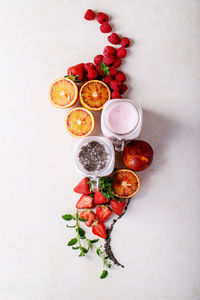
93, 156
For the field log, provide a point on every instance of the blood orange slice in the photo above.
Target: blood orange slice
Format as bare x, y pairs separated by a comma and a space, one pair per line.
63, 93
79, 122
125, 183
94, 94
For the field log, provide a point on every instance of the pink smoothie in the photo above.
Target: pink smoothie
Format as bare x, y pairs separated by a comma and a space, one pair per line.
122, 117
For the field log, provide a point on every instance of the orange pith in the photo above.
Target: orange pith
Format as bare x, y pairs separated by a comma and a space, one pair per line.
125, 183
94, 94
63, 93
79, 122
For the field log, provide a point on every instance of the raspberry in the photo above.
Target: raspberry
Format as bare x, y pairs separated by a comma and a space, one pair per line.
108, 79
120, 76
117, 62
89, 66
125, 42
114, 38
90, 15
92, 74
100, 72
108, 60
112, 71
101, 18
121, 52
108, 51
115, 85
98, 59
123, 89
115, 95
105, 27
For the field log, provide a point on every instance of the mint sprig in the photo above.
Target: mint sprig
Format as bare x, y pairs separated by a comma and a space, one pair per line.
105, 68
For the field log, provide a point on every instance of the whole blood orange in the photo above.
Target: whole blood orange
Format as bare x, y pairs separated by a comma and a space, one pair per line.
63, 92
125, 183
79, 122
94, 94
138, 155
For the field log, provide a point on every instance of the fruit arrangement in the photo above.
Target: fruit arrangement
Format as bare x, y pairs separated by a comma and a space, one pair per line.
95, 83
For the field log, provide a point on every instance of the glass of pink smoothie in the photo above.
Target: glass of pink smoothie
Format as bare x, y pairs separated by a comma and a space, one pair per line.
121, 120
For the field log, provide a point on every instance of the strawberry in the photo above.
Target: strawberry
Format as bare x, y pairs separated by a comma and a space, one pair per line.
99, 229
121, 52
76, 73
83, 187
88, 215
115, 95
105, 27
118, 206
90, 15
99, 198
103, 212
125, 42
114, 38
101, 18
85, 201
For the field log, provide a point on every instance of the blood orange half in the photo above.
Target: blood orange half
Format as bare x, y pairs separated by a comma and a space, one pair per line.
79, 122
125, 183
94, 94
63, 93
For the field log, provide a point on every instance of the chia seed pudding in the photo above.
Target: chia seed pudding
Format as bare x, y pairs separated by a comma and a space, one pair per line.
94, 156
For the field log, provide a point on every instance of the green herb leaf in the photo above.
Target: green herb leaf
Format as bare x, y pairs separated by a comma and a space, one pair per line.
83, 249
98, 252
106, 184
75, 248
105, 68
72, 242
83, 237
82, 220
67, 217
94, 241
104, 274
81, 231
71, 226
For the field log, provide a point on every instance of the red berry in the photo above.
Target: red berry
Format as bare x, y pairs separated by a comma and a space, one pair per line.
114, 38
117, 63
83, 187
108, 79
92, 74
90, 15
125, 42
101, 18
120, 76
115, 95
108, 51
89, 66
118, 206
108, 60
112, 71
85, 201
115, 85
88, 215
100, 71
99, 229
98, 59
121, 52
123, 89
105, 27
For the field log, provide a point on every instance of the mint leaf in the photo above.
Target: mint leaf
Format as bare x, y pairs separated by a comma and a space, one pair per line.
81, 231
94, 241
105, 68
82, 220
104, 274
67, 217
72, 242
75, 248
71, 226
83, 249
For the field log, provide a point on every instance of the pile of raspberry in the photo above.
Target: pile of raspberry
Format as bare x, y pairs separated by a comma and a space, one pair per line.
105, 66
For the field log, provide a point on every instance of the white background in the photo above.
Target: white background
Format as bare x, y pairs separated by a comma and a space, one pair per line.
158, 238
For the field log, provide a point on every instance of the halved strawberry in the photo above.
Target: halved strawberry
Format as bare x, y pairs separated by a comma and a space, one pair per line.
85, 201
83, 187
103, 212
99, 198
88, 215
99, 229
76, 73
118, 206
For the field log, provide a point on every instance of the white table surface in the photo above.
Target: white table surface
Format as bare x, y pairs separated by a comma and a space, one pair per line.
158, 238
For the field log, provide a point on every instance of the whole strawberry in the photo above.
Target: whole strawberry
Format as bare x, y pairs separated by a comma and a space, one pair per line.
118, 206
76, 73
100, 199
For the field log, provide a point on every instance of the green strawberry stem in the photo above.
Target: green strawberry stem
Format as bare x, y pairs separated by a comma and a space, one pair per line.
107, 245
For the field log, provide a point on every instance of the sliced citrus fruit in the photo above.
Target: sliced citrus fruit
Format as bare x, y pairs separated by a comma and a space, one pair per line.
79, 122
94, 94
63, 93
125, 183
